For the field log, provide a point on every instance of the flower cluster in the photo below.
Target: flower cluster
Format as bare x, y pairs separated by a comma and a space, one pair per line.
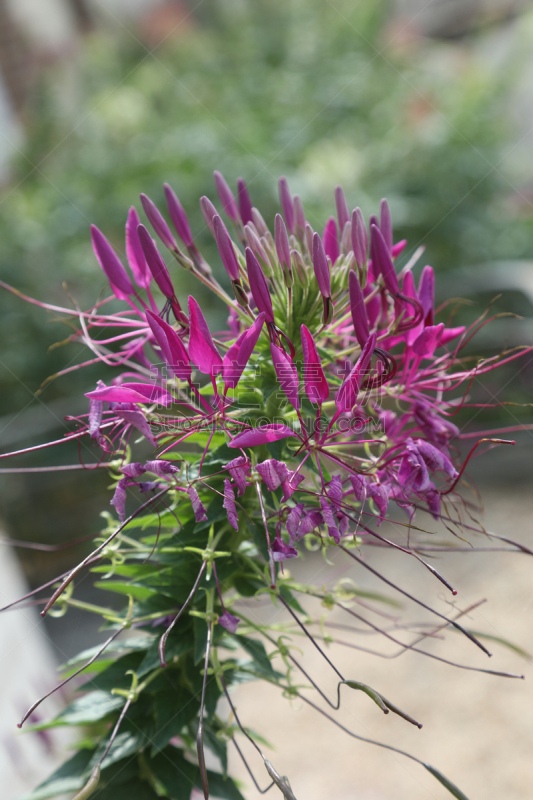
326, 402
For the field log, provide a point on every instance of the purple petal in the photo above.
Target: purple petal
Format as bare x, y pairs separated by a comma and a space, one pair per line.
287, 374
202, 350
382, 261
200, 514
111, 265
379, 495
311, 520
259, 286
321, 266
138, 420
155, 262
237, 357
343, 215
132, 393
299, 216
245, 204
229, 504
134, 251
96, 409
359, 237
178, 216
385, 223
287, 203
273, 473
359, 484
426, 293
435, 458
334, 492
428, 341
329, 519
225, 248
262, 435
158, 223
161, 467
316, 385
119, 498
134, 470
397, 248
281, 239
229, 622
346, 396
172, 348
290, 484
331, 239
239, 469
293, 522
209, 211
358, 309
226, 197
282, 551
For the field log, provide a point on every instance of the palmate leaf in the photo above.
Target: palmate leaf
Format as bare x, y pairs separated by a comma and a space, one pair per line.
179, 777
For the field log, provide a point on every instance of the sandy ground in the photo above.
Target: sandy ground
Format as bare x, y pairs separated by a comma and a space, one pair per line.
478, 729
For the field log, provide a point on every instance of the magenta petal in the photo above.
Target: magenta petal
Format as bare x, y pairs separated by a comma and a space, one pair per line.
111, 265
239, 469
382, 261
287, 203
273, 473
316, 385
293, 522
287, 374
343, 215
426, 293
202, 350
178, 216
158, 223
209, 211
321, 266
229, 504
229, 621
281, 239
134, 251
397, 248
134, 470
331, 240
435, 458
358, 309
138, 420
161, 467
385, 223
155, 262
359, 237
172, 348
299, 216
428, 341
290, 484
329, 519
226, 196
96, 410
262, 435
237, 357
259, 286
448, 334
132, 393
245, 204
200, 514
225, 248
334, 492
346, 396
359, 485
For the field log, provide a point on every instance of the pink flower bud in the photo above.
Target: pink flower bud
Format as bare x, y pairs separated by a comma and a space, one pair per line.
178, 216
226, 197
359, 237
358, 309
155, 262
158, 223
259, 286
385, 223
209, 211
287, 374
111, 265
134, 251
343, 215
225, 248
331, 240
287, 203
321, 266
245, 204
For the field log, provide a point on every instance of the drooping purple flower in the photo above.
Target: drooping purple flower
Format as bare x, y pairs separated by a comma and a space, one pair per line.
282, 551
229, 621
132, 393
293, 522
161, 467
358, 309
111, 265
155, 262
138, 420
259, 286
329, 519
245, 204
436, 429
158, 223
287, 374
321, 266
343, 215
226, 196
238, 355
262, 435
200, 514
428, 341
226, 249
135, 253
346, 396
202, 350
240, 469
380, 496
287, 203
172, 348
133, 470
385, 223
273, 473
331, 239
119, 498
359, 484
229, 504
435, 458
209, 211
413, 473
316, 385
334, 492
178, 216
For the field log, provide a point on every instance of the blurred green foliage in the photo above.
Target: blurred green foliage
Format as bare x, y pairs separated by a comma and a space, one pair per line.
324, 93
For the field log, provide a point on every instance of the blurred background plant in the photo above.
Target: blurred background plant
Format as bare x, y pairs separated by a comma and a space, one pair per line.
429, 105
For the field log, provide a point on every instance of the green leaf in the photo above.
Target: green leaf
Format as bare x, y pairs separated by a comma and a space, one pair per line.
114, 677
141, 642
290, 599
217, 746
174, 708
257, 651
134, 789
137, 591
91, 707
126, 744
179, 776
452, 788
